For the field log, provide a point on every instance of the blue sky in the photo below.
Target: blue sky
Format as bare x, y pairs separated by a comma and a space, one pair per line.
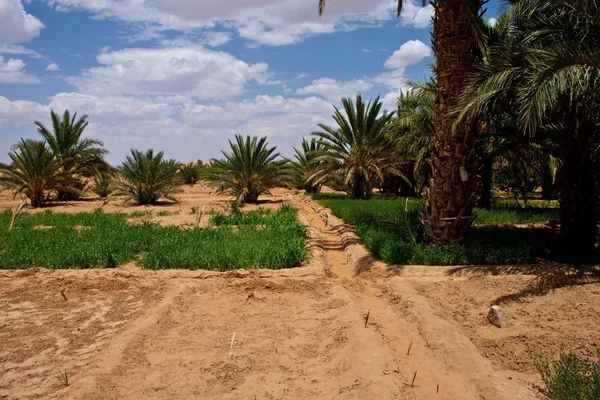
184, 76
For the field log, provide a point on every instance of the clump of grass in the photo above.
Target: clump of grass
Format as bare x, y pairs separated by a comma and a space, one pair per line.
570, 378
163, 213
110, 241
285, 215
515, 216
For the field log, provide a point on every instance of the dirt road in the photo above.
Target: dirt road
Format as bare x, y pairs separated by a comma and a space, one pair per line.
299, 334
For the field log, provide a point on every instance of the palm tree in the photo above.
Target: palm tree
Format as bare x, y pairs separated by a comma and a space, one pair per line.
250, 169
457, 40
147, 177
549, 67
357, 149
34, 172
306, 163
82, 157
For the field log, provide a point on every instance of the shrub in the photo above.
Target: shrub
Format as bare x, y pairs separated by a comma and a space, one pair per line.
103, 184
191, 173
147, 177
570, 378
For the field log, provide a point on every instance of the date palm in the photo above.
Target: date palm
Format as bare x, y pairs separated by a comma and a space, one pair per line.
457, 40
357, 148
549, 67
147, 177
81, 157
306, 164
251, 169
35, 172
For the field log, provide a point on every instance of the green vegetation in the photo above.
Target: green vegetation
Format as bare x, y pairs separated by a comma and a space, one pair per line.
147, 177
103, 184
391, 229
284, 216
570, 378
356, 149
191, 173
79, 157
35, 172
305, 165
90, 240
249, 170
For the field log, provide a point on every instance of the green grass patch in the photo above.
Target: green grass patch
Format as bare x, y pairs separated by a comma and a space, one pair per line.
284, 216
391, 230
53, 240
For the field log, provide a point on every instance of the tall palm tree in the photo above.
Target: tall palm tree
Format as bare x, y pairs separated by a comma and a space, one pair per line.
250, 169
457, 40
306, 163
82, 157
357, 148
34, 172
550, 67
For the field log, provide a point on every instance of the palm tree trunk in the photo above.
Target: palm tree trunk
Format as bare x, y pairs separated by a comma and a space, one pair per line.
485, 201
358, 185
578, 198
454, 185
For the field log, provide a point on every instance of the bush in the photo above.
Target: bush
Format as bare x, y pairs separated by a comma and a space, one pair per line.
191, 174
103, 184
147, 177
570, 378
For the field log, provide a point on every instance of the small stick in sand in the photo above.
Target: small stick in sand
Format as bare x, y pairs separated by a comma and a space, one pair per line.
62, 292
367, 318
230, 356
409, 347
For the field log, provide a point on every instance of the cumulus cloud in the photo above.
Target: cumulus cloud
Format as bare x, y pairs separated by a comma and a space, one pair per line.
192, 71
13, 71
413, 15
410, 53
16, 25
184, 128
265, 22
334, 90
53, 67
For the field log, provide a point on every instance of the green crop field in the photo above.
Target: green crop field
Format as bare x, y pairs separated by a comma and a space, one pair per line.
88, 240
392, 230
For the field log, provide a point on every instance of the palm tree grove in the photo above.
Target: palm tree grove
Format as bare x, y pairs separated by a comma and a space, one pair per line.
341, 220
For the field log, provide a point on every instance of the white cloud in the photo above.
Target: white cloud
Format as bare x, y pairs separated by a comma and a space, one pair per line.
267, 22
180, 126
193, 71
492, 21
216, 39
410, 53
16, 25
334, 90
53, 67
18, 49
13, 71
413, 15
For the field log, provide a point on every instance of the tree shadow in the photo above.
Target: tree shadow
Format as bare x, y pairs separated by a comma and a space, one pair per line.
547, 277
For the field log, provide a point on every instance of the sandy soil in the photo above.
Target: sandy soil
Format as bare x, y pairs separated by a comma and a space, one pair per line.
299, 334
